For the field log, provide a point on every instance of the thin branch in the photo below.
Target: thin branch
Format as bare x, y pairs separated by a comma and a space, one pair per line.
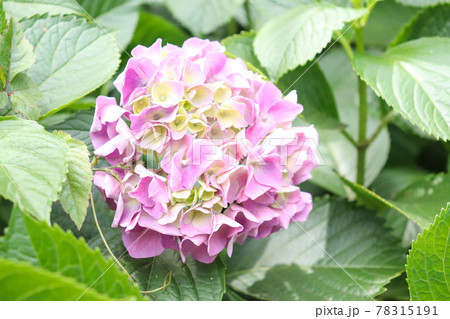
106, 244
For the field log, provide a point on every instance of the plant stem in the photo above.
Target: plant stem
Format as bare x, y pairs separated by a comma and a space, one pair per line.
362, 88
106, 243
345, 45
383, 123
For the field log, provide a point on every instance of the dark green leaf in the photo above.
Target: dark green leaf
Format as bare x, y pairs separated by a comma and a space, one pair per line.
430, 22
78, 126
422, 3
341, 253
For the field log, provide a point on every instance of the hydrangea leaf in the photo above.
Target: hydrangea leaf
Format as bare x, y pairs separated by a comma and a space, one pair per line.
413, 78
189, 281
28, 8
25, 96
422, 3
78, 126
3, 21
432, 21
419, 201
16, 52
203, 16
241, 45
32, 165
296, 36
428, 267
61, 252
21, 281
423, 199
76, 188
295, 264
262, 11
62, 44
336, 151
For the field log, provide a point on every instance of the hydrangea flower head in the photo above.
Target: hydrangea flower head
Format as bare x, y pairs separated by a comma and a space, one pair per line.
203, 152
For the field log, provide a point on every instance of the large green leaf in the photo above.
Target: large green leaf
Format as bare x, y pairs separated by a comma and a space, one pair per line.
297, 35
60, 252
189, 281
340, 253
76, 189
422, 3
203, 16
338, 153
428, 268
28, 8
21, 281
432, 21
32, 165
262, 11
414, 79
62, 44
78, 126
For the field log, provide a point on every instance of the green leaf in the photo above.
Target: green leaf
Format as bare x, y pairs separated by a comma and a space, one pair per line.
428, 267
76, 189
32, 165
338, 153
16, 52
422, 200
422, 3
418, 201
78, 126
21, 281
203, 16
28, 8
25, 96
433, 21
3, 21
190, 281
241, 45
304, 262
60, 252
62, 44
413, 78
262, 11
121, 15
151, 27
3, 99
314, 93
297, 35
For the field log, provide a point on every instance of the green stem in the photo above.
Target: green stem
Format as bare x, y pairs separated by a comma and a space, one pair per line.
105, 242
385, 121
349, 138
362, 88
345, 45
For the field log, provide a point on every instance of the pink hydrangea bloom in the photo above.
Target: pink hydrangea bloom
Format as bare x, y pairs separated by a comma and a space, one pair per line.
203, 152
